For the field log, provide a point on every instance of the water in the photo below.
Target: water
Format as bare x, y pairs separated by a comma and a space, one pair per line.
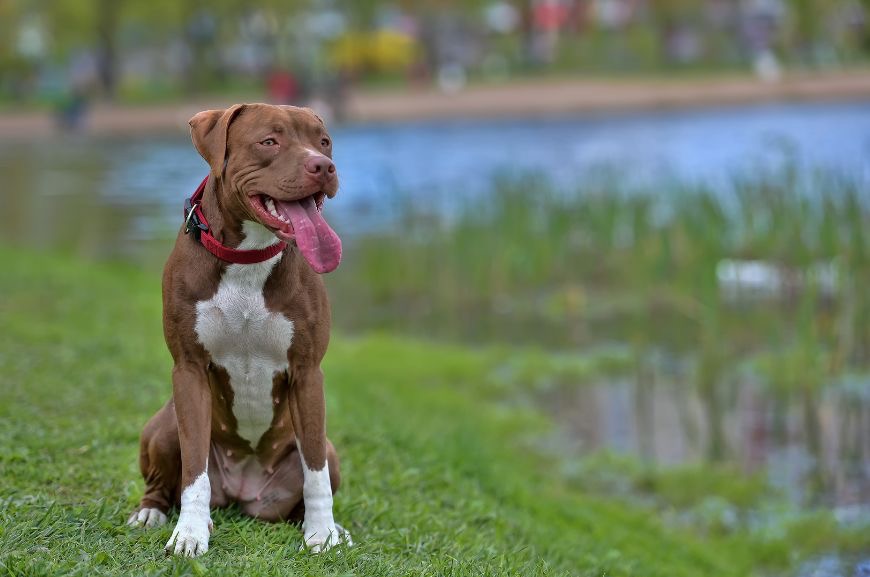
814, 447
697, 146
111, 197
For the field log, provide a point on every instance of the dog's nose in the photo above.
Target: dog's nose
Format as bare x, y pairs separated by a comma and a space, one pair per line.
319, 166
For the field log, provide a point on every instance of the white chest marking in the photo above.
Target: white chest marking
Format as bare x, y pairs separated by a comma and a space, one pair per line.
245, 338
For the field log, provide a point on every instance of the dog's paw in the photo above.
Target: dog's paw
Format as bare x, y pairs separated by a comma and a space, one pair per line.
325, 538
147, 517
190, 537
344, 535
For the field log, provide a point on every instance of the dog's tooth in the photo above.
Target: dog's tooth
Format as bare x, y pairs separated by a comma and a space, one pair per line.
270, 204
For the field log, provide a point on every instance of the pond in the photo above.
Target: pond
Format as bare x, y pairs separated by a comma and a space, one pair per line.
814, 447
116, 197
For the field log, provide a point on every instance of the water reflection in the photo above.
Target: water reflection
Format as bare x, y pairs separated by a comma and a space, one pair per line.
814, 448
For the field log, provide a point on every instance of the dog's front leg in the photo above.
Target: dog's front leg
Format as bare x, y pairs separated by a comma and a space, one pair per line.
192, 396
308, 411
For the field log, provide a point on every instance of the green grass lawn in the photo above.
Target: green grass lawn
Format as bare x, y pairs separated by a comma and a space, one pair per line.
438, 478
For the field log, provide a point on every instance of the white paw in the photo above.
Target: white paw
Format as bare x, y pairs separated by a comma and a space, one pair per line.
344, 535
190, 537
147, 517
325, 538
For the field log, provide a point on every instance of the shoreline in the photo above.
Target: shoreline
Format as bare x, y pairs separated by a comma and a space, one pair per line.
534, 98
521, 98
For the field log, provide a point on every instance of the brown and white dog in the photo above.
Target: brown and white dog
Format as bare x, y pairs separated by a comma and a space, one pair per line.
246, 420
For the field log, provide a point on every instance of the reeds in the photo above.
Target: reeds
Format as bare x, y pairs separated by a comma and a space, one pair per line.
535, 264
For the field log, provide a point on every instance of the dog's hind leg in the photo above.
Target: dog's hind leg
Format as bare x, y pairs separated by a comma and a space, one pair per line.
160, 463
281, 497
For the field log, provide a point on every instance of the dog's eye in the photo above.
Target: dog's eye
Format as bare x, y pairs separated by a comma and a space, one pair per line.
324, 142
269, 142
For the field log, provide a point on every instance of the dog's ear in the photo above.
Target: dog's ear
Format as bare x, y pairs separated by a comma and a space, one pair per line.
208, 130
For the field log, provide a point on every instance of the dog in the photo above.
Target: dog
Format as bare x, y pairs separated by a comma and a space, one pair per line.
246, 320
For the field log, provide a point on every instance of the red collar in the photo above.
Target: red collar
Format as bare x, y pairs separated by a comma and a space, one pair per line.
194, 221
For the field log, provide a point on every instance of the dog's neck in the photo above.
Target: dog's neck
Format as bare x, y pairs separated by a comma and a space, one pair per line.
226, 221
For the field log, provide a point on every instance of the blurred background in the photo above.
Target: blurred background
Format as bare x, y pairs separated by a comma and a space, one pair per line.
668, 199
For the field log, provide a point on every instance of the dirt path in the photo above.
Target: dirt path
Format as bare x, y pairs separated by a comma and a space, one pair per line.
521, 98
535, 98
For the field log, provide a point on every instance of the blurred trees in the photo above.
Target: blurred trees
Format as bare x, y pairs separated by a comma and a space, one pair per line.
667, 17
806, 19
195, 45
108, 20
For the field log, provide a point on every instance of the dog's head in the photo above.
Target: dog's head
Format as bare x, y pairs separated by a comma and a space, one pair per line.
275, 167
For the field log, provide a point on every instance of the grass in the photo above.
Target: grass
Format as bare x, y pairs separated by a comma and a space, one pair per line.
439, 479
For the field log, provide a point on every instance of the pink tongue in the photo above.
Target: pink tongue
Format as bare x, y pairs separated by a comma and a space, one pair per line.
318, 243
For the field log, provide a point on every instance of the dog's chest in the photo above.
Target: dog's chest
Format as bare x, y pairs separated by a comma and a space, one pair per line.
248, 341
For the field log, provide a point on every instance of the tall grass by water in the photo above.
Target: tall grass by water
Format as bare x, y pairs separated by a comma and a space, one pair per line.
538, 264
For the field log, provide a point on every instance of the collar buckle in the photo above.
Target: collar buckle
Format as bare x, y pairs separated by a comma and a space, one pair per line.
192, 222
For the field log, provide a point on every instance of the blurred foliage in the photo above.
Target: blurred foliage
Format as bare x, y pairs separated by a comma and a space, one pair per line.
194, 45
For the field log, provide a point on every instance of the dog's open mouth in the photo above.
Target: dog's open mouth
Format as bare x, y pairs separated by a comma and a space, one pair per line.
301, 220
